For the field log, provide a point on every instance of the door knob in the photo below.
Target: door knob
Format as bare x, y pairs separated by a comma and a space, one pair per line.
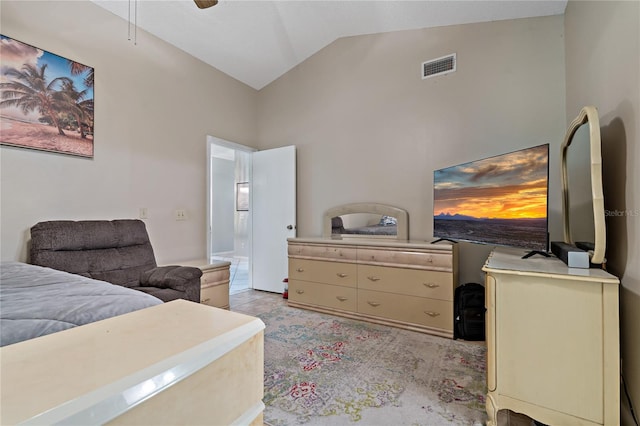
289, 227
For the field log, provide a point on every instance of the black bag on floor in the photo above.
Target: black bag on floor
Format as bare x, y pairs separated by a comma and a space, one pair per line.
468, 312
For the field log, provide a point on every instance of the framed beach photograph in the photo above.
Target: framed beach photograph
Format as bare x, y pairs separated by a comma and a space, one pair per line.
242, 196
46, 101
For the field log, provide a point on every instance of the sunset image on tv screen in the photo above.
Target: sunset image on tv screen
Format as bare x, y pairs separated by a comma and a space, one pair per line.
500, 200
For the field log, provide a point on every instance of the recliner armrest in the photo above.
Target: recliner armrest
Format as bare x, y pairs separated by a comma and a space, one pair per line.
181, 278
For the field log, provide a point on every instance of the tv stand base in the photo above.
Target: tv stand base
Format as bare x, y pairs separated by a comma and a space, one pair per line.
444, 239
534, 252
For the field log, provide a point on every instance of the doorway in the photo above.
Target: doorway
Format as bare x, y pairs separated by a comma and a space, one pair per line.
251, 212
229, 237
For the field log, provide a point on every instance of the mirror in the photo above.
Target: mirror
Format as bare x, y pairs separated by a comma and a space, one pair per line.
580, 207
366, 220
582, 197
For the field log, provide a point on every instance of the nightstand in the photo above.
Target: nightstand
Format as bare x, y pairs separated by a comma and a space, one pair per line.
214, 283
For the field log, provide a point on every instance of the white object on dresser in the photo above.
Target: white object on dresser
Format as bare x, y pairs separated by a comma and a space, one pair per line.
214, 283
552, 341
399, 283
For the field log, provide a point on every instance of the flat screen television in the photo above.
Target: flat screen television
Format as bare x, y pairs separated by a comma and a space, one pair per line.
499, 200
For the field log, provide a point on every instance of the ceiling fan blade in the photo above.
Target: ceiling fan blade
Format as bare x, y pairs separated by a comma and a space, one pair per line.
203, 4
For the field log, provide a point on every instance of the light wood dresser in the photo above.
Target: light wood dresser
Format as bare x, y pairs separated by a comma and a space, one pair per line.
552, 341
214, 283
399, 283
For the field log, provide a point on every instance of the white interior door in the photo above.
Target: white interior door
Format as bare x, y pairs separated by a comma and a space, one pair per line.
273, 207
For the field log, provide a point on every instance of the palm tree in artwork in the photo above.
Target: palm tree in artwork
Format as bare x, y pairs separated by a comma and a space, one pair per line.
74, 102
30, 91
77, 69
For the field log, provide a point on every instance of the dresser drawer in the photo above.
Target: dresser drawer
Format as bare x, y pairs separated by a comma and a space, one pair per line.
214, 276
331, 296
336, 273
214, 284
216, 295
406, 259
408, 309
322, 251
412, 282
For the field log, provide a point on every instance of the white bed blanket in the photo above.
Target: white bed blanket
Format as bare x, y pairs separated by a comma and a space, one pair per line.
35, 301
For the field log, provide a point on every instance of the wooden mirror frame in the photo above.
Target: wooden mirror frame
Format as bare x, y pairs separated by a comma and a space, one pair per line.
588, 114
382, 209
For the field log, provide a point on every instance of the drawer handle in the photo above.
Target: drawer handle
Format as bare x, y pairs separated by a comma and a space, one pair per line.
432, 314
205, 300
299, 270
341, 298
430, 260
374, 278
299, 291
431, 285
374, 304
342, 275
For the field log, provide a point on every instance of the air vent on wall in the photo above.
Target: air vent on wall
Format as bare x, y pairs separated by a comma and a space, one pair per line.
439, 66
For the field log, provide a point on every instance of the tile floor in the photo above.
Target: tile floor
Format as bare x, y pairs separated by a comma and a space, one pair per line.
238, 273
248, 297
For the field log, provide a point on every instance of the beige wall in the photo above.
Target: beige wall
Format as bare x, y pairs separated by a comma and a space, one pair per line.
369, 129
603, 69
154, 107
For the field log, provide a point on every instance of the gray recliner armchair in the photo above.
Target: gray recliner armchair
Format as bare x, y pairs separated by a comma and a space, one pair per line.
117, 251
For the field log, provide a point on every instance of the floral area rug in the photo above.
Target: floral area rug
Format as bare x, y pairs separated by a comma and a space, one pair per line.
327, 370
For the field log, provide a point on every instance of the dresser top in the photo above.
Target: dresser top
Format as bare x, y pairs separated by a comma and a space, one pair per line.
205, 265
445, 246
510, 261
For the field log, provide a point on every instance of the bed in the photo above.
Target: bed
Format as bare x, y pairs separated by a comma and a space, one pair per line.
122, 356
37, 301
177, 363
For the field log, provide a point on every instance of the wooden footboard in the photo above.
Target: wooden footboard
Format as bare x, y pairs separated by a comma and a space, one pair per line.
176, 363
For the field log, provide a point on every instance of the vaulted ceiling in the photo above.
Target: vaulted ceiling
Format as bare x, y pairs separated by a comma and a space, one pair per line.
258, 41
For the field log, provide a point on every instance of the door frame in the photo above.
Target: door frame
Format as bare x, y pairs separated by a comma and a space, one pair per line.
213, 140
